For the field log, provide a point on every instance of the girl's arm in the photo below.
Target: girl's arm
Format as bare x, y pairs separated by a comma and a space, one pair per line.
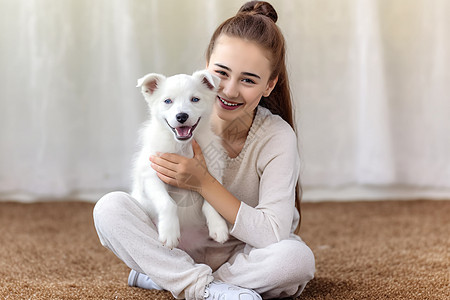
192, 174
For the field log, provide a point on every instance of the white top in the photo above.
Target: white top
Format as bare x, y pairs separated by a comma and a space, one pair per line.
264, 176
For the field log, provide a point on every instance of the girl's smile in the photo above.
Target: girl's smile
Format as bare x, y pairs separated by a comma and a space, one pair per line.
228, 105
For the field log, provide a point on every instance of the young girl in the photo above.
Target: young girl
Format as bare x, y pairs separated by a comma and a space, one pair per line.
253, 116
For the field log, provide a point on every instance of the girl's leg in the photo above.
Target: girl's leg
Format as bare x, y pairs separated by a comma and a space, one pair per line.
279, 270
124, 228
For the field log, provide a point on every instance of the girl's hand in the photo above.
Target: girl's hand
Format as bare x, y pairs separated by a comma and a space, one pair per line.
177, 170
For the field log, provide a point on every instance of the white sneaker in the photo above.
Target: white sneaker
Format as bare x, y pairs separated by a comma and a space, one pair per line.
218, 290
142, 281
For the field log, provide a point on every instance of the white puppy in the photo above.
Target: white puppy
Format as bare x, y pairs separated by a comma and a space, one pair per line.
180, 110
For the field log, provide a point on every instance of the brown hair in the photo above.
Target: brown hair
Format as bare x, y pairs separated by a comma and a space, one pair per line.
255, 21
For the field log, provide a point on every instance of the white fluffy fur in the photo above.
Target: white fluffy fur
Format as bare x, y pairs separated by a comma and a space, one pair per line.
169, 206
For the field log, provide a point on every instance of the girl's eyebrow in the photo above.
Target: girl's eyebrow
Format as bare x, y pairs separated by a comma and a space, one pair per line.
243, 73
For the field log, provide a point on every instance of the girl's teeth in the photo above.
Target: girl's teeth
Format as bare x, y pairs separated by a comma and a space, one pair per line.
227, 103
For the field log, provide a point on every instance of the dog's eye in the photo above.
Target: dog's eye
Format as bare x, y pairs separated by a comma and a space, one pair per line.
167, 101
195, 99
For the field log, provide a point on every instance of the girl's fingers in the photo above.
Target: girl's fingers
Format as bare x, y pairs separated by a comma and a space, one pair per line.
172, 180
167, 179
171, 157
163, 170
197, 151
196, 148
163, 162
180, 171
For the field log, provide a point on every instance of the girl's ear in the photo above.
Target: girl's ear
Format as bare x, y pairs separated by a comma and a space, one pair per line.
270, 86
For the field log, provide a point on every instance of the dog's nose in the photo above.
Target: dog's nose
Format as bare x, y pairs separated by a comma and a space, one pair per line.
182, 117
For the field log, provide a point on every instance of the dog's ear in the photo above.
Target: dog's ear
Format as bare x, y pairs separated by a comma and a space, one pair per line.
207, 79
149, 83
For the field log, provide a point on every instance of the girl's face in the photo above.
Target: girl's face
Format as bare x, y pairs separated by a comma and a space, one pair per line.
244, 71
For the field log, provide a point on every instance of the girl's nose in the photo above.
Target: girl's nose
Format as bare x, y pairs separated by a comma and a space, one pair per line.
230, 89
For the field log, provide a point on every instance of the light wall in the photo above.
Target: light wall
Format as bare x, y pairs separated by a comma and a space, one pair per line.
369, 78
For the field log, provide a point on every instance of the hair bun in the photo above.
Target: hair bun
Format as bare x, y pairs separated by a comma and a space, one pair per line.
259, 8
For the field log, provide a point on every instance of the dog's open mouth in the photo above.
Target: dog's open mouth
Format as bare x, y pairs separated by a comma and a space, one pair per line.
183, 132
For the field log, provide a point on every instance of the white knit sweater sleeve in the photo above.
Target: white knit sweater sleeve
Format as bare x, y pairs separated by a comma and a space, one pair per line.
278, 167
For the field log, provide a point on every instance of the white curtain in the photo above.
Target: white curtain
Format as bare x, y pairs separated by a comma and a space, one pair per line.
370, 80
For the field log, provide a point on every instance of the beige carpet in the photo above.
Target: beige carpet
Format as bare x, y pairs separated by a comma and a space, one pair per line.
364, 250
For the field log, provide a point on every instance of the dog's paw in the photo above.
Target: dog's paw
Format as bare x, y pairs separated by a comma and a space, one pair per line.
218, 230
169, 235
169, 241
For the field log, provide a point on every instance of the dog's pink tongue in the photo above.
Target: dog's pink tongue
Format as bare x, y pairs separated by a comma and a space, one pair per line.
183, 131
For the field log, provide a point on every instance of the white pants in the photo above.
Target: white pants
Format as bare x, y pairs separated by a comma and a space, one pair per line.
279, 270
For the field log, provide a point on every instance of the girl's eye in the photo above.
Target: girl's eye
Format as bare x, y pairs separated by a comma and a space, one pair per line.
195, 99
246, 80
167, 101
222, 73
